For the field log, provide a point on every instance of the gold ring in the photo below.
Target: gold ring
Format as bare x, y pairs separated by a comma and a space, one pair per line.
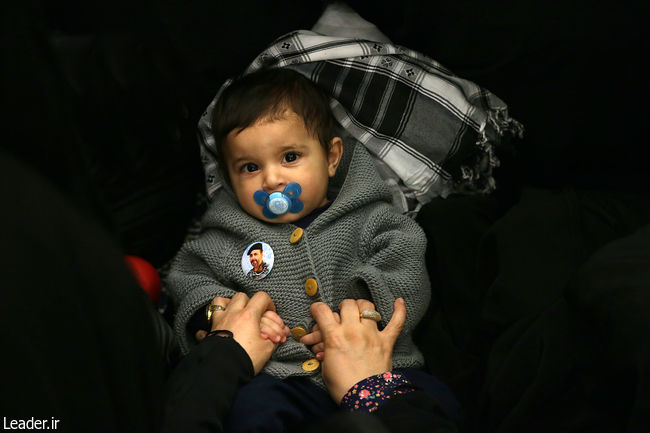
212, 308
370, 314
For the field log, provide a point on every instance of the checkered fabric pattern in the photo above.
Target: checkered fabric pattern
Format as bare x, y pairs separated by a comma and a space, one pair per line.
431, 132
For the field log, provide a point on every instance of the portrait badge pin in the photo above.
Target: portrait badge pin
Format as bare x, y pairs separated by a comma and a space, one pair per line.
257, 260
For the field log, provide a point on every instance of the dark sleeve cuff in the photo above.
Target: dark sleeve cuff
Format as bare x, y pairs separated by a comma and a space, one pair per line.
374, 391
202, 387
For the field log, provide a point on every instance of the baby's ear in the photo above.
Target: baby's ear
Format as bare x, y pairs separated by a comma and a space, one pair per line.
334, 155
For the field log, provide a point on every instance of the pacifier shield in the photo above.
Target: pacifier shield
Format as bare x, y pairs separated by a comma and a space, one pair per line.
279, 203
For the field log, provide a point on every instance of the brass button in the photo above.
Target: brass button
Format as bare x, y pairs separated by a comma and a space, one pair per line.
296, 235
297, 333
311, 287
311, 364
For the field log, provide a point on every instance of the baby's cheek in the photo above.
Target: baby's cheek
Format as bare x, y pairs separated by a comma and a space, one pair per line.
252, 208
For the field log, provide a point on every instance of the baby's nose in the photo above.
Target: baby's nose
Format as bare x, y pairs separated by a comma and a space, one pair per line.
273, 180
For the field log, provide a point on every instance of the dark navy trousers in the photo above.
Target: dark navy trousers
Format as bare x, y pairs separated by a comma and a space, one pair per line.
271, 405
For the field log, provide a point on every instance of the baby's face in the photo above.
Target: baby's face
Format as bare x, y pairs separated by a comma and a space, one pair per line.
270, 154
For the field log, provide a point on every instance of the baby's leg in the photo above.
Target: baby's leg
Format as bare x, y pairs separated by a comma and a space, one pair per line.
271, 405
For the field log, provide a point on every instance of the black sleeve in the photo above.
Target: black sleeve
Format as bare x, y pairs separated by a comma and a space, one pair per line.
78, 341
201, 389
414, 412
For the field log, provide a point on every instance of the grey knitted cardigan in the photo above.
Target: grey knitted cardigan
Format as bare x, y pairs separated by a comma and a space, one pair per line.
360, 247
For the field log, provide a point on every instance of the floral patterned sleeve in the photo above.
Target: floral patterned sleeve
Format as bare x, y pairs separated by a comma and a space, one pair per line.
369, 394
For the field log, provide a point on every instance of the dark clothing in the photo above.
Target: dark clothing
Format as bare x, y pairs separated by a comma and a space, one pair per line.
408, 413
78, 343
277, 404
199, 400
505, 337
203, 386
285, 404
612, 293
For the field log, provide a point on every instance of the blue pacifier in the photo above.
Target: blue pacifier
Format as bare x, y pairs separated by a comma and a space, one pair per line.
279, 203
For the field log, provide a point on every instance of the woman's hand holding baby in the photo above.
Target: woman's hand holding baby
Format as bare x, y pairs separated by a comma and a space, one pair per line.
353, 347
254, 324
272, 326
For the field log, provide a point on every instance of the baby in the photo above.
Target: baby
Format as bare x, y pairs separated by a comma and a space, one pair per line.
304, 220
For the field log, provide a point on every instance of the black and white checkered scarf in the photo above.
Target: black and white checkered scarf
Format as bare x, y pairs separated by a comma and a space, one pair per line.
432, 132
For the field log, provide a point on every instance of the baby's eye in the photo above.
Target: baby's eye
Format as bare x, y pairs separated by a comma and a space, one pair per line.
249, 167
290, 157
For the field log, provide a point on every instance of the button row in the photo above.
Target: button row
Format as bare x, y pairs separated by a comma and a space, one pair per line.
311, 288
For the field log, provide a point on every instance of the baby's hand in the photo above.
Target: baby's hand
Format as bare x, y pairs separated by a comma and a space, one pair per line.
272, 327
315, 339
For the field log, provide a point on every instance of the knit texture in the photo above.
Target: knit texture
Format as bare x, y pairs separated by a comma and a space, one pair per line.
361, 247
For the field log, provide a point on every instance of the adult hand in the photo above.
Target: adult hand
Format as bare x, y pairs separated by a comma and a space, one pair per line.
243, 317
271, 326
315, 339
355, 349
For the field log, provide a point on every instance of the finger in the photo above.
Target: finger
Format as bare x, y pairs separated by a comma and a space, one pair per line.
272, 325
217, 315
238, 302
320, 356
394, 327
315, 328
272, 315
312, 338
349, 311
275, 339
320, 347
322, 314
364, 305
267, 337
337, 315
271, 329
219, 300
260, 303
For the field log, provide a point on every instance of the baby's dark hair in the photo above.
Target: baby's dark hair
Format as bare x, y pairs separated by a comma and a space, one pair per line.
266, 94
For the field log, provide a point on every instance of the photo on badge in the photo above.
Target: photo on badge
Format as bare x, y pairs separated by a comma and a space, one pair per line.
257, 260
